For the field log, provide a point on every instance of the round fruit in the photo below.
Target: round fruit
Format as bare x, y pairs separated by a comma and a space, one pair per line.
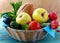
23, 17
34, 25
40, 15
54, 24
53, 16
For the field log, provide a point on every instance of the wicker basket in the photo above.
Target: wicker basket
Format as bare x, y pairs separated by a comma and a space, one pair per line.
27, 35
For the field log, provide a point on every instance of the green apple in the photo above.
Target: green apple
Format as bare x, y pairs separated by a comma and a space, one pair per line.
40, 15
23, 17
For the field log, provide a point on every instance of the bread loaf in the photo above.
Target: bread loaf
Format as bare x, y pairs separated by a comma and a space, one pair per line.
26, 8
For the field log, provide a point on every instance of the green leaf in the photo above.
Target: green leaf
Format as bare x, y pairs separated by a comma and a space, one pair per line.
14, 25
13, 5
45, 24
6, 14
48, 20
25, 26
16, 6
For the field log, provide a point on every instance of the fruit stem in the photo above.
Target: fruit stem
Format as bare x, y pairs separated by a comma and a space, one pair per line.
43, 13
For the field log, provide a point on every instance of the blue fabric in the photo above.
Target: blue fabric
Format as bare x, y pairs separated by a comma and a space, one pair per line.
2, 24
50, 31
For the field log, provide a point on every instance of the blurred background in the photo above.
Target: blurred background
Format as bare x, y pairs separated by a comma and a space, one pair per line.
50, 5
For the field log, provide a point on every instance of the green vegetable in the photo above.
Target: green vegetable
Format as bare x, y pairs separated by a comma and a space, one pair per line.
25, 26
14, 25
15, 6
45, 24
6, 14
12, 14
48, 20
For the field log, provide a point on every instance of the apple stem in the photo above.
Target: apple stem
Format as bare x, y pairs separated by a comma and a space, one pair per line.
43, 14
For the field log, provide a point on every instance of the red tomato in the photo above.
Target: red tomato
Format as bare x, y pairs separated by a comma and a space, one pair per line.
54, 24
34, 25
53, 16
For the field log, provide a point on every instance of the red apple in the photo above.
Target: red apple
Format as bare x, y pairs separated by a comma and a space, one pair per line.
54, 24
52, 15
34, 25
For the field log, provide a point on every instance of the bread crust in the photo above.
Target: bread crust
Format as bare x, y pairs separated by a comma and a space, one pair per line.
28, 8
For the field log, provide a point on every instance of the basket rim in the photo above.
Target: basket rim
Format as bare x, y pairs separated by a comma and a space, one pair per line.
24, 30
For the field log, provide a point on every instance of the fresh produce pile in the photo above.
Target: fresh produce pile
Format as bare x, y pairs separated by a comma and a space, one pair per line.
39, 19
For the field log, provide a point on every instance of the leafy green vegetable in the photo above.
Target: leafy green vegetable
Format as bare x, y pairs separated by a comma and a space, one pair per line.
25, 26
45, 24
48, 20
7, 14
14, 25
16, 6
12, 14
